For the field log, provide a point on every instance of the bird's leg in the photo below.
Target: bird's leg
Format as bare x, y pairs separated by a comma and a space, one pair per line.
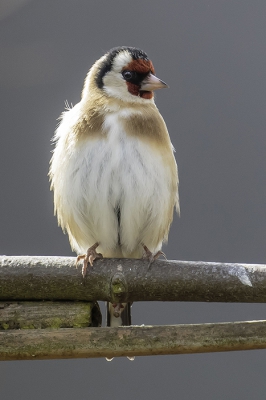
151, 257
89, 257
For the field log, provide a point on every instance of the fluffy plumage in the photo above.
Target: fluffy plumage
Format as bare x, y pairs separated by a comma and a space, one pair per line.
113, 171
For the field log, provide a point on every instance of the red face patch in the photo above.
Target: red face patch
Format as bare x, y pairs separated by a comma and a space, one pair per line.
146, 95
142, 67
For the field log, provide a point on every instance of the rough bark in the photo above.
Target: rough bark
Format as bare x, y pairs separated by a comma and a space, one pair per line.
126, 280
48, 314
131, 341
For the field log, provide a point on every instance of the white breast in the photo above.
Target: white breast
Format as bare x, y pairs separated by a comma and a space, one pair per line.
100, 178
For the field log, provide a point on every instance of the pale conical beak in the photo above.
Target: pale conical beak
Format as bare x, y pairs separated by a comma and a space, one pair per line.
151, 82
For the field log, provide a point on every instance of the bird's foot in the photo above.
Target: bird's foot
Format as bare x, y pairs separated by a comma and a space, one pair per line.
151, 257
89, 257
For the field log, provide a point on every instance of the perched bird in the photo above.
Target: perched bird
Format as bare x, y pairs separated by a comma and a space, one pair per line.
113, 171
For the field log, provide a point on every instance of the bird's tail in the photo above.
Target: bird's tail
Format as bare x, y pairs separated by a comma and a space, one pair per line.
118, 315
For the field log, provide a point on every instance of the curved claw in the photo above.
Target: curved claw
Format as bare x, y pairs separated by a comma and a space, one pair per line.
89, 257
152, 257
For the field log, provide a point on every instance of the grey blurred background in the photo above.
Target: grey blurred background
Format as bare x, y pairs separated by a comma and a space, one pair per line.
212, 54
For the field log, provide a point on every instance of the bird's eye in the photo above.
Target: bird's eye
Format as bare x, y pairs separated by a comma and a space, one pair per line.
128, 75
133, 77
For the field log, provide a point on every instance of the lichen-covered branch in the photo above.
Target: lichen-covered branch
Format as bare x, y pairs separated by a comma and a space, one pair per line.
56, 278
131, 341
48, 314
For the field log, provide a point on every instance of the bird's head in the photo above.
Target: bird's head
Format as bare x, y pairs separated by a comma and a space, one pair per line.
125, 73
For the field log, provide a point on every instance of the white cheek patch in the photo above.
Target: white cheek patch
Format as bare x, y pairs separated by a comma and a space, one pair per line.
115, 86
113, 82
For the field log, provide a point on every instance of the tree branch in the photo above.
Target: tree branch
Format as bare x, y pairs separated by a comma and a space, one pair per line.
48, 314
131, 341
56, 278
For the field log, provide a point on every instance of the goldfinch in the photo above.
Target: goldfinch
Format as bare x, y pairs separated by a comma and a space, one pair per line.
113, 171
